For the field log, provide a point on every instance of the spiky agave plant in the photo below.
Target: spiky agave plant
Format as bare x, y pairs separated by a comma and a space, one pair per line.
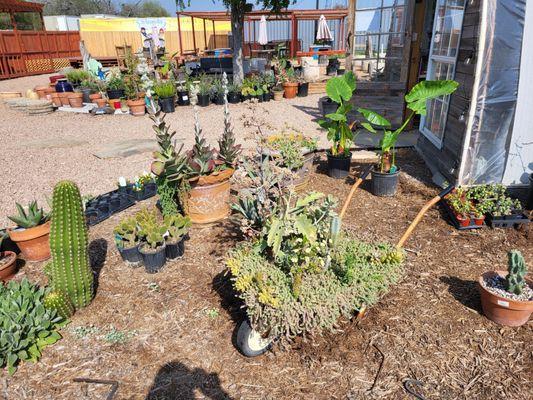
202, 158
228, 149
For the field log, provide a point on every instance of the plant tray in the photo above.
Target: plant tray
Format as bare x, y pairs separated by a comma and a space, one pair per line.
102, 207
150, 190
455, 222
508, 221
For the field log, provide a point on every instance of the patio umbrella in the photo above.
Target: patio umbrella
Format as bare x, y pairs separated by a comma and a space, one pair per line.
323, 32
263, 37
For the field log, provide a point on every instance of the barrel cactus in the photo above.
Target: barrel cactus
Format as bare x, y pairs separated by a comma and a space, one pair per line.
70, 269
60, 302
517, 270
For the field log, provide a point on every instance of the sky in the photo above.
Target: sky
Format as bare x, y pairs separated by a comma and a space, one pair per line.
216, 5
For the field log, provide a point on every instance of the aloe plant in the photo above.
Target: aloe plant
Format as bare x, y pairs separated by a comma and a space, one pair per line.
416, 101
28, 219
340, 90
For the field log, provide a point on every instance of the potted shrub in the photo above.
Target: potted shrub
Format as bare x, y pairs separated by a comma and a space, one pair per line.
461, 206
76, 76
234, 93
32, 232
385, 174
182, 95
132, 90
339, 90
293, 151
204, 90
88, 87
127, 241
115, 84
177, 227
202, 175
248, 89
166, 93
278, 92
290, 83
217, 92
507, 297
152, 247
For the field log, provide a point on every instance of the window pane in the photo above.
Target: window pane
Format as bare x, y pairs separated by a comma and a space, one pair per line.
361, 4
389, 3
368, 21
366, 46
28, 21
392, 19
391, 45
377, 70
5, 22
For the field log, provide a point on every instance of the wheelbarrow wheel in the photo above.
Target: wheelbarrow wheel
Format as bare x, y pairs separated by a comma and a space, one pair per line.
249, 342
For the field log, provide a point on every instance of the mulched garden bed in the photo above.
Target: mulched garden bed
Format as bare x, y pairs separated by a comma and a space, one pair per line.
169, 335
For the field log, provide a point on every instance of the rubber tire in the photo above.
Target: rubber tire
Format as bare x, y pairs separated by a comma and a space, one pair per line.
243, 345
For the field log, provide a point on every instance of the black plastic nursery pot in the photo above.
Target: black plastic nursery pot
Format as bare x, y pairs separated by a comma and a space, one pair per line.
203, 100
384, 184
234, 98
115, 93
167, 104
327, 106
86, 93
219, 99
130, 255
529, 202
153, 260
339, 166
303, 89
267, 96
175, 250
183, 98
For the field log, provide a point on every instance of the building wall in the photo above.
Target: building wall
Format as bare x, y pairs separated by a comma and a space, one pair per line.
61, 23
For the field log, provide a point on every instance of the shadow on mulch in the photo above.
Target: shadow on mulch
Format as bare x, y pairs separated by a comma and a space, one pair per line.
464, 291
312, 111
97, 256
175, 380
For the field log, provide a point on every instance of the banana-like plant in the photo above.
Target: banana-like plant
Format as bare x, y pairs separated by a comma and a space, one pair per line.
416, 101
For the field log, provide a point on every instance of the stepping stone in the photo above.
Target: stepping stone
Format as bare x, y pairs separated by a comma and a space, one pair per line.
126, 148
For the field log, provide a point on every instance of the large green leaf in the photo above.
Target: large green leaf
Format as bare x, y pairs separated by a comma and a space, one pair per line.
426, 90
336, 117
344, 108
349, 77
374, 118
310, 198
368, 127
275, 235
306, 228
338, 90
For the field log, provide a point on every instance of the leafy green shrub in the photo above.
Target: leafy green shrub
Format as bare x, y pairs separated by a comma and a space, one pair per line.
76, 76
26, 326
291, 147
492, 199
165, 89
126, 233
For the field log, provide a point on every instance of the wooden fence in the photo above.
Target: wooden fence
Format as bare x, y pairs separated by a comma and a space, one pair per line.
36, 52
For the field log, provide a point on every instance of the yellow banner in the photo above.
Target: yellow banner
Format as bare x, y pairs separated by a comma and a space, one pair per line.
133, 24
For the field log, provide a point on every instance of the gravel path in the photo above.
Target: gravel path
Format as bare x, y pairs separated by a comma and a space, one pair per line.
31, 171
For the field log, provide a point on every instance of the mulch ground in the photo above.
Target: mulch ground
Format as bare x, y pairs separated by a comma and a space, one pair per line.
170, 335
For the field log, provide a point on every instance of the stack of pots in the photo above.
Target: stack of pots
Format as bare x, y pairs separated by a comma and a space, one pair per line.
75, 100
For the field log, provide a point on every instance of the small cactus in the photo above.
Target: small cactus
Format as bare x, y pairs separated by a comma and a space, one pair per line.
59, 301
70, 269
517, 270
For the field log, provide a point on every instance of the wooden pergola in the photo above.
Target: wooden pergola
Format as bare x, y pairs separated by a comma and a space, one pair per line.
12, 7
251, 17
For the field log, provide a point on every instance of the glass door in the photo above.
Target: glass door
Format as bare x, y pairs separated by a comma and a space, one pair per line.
442, 59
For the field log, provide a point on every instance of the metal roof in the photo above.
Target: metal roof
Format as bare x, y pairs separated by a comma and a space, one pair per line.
257, 14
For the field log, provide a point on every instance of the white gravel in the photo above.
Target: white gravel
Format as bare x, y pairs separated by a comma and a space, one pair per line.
30, 173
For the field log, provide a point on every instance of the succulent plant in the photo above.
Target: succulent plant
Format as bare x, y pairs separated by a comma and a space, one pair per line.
28, 219
201, 157
70, 269
126, 233
177, 226
228, 150
152, 233
59, 302
515, 280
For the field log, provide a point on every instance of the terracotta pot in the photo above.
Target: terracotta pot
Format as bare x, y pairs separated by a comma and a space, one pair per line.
94, 96
278, 95
114, 103
76, 100
291, 89
463, 221
502, 310
63, 96
8, 265
479, 221
56, 99
41, 91
137, 107
208, 203
33, 243
100, 102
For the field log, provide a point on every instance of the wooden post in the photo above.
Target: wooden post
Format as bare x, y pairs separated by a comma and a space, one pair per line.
214, 35
341, 35
294, 22
350, 39
250, 36
193, 35
179, 34
205, 36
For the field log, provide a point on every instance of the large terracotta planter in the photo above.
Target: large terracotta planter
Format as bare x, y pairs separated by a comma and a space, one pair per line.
502, 310
56, 99
209, 197
76, 100
63, 96
41, 91
137, 107
8, 265
291, 89
34, 243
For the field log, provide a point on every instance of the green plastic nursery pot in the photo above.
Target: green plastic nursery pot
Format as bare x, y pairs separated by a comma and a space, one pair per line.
384, 184
339, 166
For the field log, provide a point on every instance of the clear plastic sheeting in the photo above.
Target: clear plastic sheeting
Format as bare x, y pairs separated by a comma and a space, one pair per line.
495, 92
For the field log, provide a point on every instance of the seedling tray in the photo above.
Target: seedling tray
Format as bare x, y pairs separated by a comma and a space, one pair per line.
149, 191
455, 222
508, 221
102, 207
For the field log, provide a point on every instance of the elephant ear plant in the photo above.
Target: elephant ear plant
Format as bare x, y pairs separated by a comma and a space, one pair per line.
339, 90
385, 175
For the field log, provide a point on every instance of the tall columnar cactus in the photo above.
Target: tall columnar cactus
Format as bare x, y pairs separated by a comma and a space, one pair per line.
60, 302
517, 270
70, 268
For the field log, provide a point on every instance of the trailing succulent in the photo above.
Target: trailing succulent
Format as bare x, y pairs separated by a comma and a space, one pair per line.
27, 326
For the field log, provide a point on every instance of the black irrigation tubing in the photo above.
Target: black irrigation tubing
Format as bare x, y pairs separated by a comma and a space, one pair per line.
408, 386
